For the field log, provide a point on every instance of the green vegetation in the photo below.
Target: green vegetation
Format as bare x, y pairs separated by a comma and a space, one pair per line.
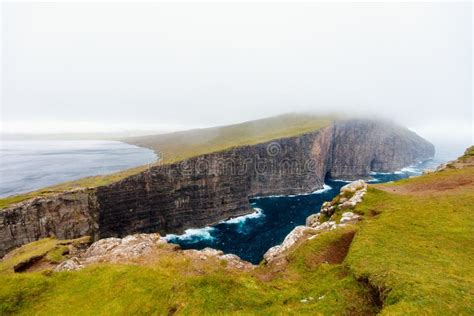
176, 284
183, 145
418, 248
49, 250
469, 153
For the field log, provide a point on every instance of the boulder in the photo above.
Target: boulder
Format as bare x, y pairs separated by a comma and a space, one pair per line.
313, 220
349, 217
299, 233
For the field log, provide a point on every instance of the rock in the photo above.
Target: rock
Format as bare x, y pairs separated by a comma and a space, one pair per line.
296, 235
130, 248
329, 225
354, 186
312, 220
233, 261
114, 250
120, 250
348, 204
349, 217
72, 264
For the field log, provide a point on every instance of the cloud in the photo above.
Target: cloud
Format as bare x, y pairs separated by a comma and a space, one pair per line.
81, 66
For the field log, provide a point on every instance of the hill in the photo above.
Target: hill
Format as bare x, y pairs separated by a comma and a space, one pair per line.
411, 254
182, 145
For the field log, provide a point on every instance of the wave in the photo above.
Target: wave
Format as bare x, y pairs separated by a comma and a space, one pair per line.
241, 219
193, 235
407, 170
324, 189
341, 180
319, 191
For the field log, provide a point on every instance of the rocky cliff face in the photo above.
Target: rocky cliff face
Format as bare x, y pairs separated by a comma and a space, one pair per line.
214, 187
362, 146
63, 216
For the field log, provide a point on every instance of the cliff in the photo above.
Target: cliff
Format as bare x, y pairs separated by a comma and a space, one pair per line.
216, 186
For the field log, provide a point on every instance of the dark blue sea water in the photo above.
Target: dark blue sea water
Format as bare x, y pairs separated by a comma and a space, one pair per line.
30, 165
252, 235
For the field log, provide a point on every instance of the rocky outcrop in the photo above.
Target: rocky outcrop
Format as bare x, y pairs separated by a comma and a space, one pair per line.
210, 188
141, 248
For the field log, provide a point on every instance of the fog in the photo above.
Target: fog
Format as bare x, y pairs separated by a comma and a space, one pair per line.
85, 67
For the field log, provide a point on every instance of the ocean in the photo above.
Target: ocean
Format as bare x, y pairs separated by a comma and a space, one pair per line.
30, 165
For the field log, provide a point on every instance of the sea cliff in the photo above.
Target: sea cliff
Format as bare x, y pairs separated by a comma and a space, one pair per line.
216, 186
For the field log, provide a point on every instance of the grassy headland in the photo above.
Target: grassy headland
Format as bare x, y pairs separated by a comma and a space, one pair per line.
178, 146
183, 145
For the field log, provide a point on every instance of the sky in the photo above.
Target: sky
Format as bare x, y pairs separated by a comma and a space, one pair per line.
88, 67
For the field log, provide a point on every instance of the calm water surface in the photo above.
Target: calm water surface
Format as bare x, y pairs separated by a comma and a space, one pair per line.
30, 165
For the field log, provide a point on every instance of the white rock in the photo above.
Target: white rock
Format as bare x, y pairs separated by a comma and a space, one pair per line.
312, 220
297, 234
69, 265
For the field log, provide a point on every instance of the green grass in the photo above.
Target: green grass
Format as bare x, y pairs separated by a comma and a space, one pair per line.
469, 153
175, 283
419, 249
37, 248
183, 145
51, 249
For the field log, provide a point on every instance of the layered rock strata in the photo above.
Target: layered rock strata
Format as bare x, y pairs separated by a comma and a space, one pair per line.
210, 188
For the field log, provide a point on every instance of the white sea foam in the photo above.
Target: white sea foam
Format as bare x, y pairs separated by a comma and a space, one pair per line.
341, 180
410, 169
373, 180
193, 234
324, 189
407, 170
241, 219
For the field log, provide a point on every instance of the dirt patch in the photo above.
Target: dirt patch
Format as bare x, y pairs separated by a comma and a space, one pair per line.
273, 269
40, 265
24, 266
335, 253
446, 186
376, 295
374, 212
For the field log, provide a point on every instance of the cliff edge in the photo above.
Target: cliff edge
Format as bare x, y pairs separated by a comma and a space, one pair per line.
215, 186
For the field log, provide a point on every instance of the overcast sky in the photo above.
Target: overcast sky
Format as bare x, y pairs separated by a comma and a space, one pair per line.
109, 67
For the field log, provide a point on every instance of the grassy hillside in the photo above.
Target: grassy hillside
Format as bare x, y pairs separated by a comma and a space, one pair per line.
411, 255
182, 145
417, 244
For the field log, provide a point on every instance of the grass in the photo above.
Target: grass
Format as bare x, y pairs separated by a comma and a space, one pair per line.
176, 284
51, 249
183, 145
418, 250
175, 147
